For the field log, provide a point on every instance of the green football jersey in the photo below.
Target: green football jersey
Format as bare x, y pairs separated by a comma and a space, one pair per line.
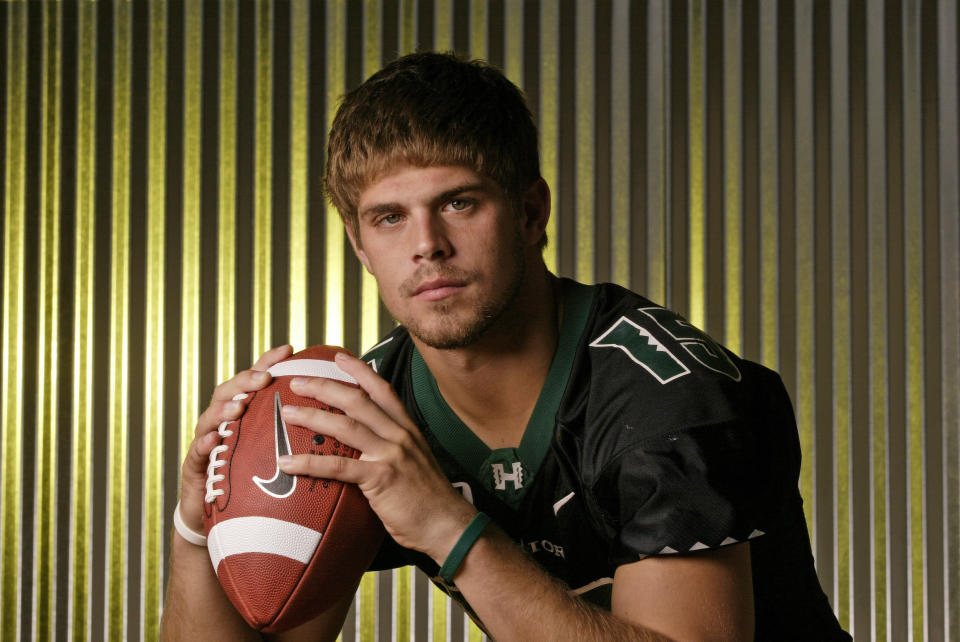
648, 438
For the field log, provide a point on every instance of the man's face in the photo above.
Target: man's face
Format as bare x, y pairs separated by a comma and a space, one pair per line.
446, 249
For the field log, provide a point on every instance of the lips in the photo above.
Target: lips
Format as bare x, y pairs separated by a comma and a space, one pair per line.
437, 289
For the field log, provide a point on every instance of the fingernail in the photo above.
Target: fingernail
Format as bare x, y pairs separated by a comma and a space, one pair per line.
233, 406
297, 382
289, 410
259, 377
284, 460
340, 356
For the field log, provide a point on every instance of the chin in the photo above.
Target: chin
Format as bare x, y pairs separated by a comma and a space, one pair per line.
450, 335
445, 329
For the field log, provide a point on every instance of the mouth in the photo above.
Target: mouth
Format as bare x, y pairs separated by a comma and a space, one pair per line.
437, 289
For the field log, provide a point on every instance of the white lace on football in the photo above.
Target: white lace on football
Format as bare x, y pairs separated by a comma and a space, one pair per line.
213, 476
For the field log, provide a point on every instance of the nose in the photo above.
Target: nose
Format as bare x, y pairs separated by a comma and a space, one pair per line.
432, 242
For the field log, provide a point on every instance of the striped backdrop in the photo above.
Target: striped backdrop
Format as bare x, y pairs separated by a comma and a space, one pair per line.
784, 173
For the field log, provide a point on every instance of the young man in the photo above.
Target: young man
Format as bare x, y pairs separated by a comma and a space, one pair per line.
642, 481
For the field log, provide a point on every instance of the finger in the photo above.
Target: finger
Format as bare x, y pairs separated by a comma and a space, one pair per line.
343, 469
219, 412
193, 477
343, 428
195, 463
272, 356
244, 381
354, 402
379, 389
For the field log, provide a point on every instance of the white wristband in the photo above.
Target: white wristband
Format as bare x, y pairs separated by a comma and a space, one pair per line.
185, 531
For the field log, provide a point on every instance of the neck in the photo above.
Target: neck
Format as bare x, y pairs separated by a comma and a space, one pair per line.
493, 384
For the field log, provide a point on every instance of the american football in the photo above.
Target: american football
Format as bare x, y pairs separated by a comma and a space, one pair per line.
284, 547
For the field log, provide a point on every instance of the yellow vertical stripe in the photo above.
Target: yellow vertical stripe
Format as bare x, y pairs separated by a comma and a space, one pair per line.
620, 145
83, 325
263, 179
769, 194
48, 339
367, 611
11, 397
805, 270
697, 162
299, 159
226, 189
191, 250
439, 604
474, 632
879, 423
118, 375
842, 424
840, 271
369, 301
369, 308
334, 251
402, 602
443, 25
733, 176
153, 530
408, 26
479, 47
913, 284
586, 140
550, 118
513, 42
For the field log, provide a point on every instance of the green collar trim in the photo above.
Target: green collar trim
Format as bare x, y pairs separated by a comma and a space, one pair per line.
457, 439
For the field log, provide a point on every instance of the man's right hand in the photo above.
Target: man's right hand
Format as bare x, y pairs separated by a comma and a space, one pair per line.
196, 606
223, 407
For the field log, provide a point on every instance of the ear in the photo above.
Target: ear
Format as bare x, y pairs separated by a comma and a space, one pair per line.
536, 211
357, 248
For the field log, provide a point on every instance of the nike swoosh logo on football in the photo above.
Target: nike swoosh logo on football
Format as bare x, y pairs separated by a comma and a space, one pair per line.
281, 484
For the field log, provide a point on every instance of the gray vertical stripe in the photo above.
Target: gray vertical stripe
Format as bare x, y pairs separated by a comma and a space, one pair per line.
585, 183
733, 173
769, 194
949, 179
658, 135
804, 281
620, 145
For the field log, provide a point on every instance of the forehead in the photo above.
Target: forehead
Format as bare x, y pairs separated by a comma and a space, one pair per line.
410, 184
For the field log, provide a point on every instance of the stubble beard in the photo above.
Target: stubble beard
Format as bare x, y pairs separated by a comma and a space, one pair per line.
444, 329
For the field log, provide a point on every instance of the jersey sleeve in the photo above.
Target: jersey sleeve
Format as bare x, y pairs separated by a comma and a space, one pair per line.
703, 487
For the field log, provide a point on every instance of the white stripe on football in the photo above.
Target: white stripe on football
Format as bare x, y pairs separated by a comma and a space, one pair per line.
310, 368
261, 535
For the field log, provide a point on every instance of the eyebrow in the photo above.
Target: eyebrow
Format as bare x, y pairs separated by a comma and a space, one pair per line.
384, 208
456, 191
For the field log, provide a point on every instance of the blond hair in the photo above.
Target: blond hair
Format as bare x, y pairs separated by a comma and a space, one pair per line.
429, 109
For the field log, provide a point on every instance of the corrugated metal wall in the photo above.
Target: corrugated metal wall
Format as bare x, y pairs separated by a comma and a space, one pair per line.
783, 173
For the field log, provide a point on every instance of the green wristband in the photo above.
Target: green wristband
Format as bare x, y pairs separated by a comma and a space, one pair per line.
462, 547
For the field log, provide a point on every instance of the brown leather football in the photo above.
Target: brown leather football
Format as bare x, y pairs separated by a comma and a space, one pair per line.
285, 548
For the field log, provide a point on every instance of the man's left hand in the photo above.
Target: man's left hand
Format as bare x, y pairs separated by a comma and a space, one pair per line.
396, 472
